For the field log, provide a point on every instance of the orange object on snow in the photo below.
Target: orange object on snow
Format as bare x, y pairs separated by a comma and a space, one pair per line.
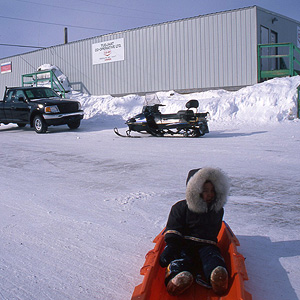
153, 287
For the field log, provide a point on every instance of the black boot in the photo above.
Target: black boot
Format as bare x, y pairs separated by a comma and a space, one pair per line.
180, 283
219, 280
178, 276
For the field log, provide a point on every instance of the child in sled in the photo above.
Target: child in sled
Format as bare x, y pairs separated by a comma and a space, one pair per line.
191, 233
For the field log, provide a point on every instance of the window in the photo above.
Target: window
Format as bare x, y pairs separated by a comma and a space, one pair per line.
40, 93
19, 93
9, 96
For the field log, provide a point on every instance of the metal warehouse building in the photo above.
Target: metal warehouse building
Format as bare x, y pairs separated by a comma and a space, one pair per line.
218, 50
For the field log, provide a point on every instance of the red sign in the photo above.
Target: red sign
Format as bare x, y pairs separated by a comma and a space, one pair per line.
6, 67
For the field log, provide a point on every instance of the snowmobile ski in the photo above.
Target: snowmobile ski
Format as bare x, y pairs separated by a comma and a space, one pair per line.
116, 130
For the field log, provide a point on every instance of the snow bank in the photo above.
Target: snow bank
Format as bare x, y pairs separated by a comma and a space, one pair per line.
271, 101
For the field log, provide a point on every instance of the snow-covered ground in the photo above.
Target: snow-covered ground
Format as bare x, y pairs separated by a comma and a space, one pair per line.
79, 209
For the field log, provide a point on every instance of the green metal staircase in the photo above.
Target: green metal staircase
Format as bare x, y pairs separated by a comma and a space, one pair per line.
33, 79
279, 60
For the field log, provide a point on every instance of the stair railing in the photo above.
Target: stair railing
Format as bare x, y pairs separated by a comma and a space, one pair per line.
292, 58
44, 76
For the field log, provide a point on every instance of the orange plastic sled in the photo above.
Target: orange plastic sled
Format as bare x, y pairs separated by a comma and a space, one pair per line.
153, 288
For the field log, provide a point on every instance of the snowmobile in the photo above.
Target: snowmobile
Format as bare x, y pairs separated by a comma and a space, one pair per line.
186, 123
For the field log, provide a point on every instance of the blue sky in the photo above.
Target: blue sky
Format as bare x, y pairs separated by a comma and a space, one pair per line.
41, 23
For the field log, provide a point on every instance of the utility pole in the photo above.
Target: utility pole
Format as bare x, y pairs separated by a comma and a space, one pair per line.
66, 35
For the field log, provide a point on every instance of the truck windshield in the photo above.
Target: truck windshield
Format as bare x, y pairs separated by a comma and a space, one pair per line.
40, 93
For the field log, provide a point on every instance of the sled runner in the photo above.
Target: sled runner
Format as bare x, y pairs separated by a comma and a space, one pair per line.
185, 123
153, 288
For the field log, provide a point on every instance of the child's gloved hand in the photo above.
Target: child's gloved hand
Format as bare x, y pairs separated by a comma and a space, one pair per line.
170, 253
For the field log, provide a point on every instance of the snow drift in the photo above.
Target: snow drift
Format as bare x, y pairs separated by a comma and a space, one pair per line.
274, 100
271, 101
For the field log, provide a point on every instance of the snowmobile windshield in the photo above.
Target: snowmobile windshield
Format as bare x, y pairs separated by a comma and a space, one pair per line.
151, 100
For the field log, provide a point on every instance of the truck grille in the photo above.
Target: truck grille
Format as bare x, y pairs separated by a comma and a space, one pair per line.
68, 107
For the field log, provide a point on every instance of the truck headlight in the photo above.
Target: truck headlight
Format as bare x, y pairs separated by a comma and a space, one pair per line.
51, 109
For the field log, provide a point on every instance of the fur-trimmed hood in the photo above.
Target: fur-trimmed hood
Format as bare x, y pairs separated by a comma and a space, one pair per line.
195, 182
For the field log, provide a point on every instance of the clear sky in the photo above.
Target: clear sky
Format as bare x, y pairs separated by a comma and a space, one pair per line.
41, 23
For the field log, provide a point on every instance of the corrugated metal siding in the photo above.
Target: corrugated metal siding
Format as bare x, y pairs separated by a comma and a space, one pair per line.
212, 51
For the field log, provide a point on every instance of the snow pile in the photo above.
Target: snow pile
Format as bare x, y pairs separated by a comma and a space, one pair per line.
271, 101
95, 106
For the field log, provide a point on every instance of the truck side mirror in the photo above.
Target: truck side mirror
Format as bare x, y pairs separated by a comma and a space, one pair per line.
21, 98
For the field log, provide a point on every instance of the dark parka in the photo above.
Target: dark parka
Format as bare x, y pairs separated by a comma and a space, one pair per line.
193, 221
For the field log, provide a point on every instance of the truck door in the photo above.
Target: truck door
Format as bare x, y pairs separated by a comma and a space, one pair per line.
2, 115
6, 115
20, 108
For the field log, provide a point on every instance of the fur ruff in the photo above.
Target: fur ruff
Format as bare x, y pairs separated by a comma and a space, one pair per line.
195, 187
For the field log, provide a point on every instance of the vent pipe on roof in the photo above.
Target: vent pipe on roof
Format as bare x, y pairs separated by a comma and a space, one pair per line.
66, 35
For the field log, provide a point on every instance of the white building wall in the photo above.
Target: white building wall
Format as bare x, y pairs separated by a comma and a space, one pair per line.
200, 53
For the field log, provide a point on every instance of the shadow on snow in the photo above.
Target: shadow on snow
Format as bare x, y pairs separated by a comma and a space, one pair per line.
263, 265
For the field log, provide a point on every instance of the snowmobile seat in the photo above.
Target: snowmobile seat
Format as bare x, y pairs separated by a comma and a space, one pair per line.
188, 114
185, 114
192, 104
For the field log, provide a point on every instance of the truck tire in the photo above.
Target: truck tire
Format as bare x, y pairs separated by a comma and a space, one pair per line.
74, 124
39, 124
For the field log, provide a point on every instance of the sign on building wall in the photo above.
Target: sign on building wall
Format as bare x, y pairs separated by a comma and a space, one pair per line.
6, 67
298, 36
109, 51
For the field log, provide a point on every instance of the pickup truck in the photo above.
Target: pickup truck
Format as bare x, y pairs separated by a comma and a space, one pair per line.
40, 107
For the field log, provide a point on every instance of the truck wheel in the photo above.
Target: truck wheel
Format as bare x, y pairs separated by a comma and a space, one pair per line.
39, 124
74, 125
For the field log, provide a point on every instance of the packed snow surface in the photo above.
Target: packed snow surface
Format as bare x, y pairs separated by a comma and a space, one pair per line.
79, 209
